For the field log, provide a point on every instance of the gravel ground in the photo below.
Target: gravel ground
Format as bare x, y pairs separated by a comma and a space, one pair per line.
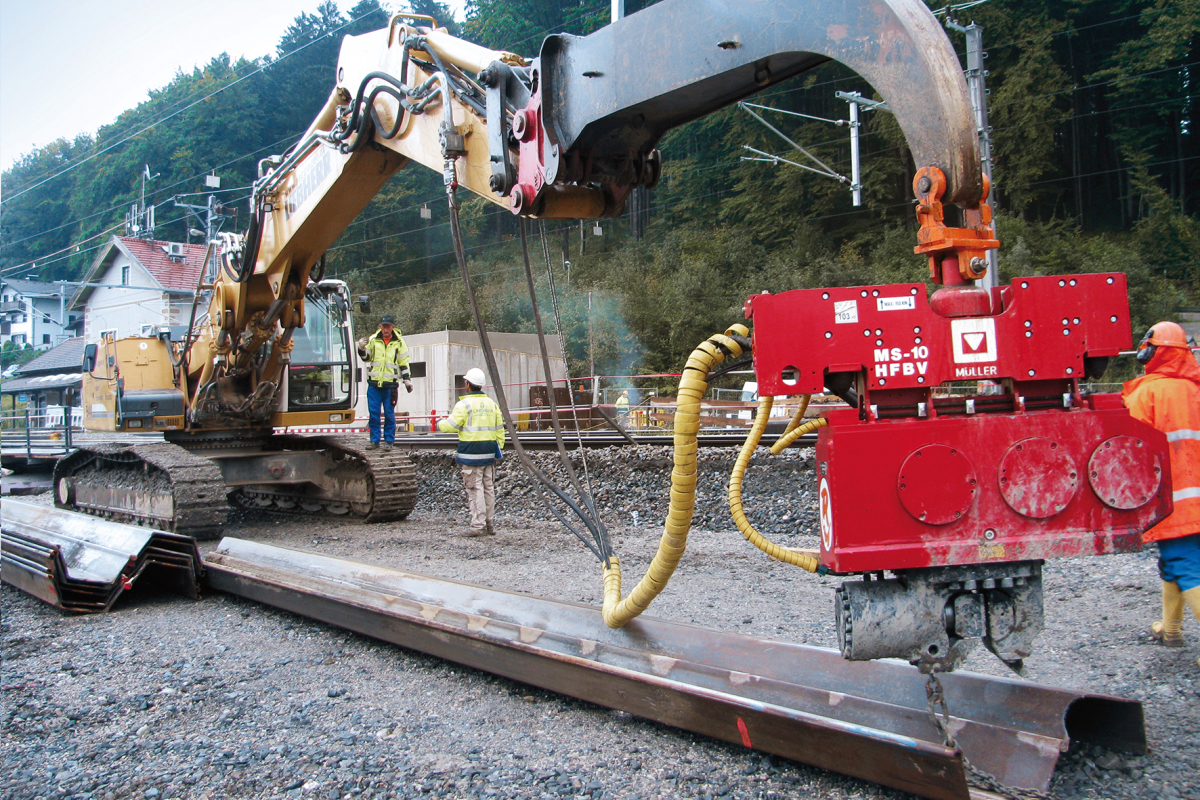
170, 698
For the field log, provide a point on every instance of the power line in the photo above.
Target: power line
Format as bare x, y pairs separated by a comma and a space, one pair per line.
176, 113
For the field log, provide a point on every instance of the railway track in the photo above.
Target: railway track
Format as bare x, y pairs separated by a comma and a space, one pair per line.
17, 453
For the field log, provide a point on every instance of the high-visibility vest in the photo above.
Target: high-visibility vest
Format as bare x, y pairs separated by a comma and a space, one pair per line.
480, 427
386, 360
622, 405
1169, 399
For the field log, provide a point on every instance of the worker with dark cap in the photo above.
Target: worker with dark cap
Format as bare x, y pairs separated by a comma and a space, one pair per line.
480, 427
386, 357
1168, 397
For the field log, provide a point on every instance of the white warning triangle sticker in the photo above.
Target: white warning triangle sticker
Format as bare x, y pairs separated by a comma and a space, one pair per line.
973, 340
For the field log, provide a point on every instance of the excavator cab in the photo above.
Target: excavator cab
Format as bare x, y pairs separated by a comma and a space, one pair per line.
321, 375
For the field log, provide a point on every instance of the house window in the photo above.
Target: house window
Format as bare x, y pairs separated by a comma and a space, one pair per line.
45, 338
417, 369
125, 275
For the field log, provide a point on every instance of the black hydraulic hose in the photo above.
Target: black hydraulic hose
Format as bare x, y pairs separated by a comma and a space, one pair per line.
245, 266
490, 358
358, 119
731, 366
599, 531
570, 397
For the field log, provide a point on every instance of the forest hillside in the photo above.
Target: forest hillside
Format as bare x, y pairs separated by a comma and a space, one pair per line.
1097, 168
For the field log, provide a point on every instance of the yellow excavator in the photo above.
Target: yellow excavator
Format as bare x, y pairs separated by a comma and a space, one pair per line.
566, 135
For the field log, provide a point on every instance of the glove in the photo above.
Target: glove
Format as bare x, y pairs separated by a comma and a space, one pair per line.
408, 385
361, 346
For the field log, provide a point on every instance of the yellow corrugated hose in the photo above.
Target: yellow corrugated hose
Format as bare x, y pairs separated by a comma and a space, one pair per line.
692, 386
793, 432
798, 417
755, 538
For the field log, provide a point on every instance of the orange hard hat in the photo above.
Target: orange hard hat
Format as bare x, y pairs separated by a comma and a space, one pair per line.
1166, 334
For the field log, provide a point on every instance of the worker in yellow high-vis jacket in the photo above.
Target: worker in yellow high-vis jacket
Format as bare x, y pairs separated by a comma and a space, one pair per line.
386, 357
480, 427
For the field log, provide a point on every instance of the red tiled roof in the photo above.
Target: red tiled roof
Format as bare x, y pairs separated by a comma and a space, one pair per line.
171, 273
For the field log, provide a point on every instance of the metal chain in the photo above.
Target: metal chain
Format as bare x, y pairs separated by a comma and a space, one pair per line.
939, 713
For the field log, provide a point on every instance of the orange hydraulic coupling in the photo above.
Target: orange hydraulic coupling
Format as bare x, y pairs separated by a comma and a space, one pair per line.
969, 243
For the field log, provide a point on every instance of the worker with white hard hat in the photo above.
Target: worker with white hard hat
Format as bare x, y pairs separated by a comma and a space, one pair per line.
480, 427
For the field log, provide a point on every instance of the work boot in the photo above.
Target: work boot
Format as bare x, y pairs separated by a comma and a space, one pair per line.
387, 445
471, 533
489, 530
1169, 630
373, 446
1192, 598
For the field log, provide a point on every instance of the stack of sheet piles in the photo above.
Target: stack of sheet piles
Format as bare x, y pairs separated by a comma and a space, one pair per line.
81, 563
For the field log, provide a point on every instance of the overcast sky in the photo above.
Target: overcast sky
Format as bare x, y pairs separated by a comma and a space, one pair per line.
71, 66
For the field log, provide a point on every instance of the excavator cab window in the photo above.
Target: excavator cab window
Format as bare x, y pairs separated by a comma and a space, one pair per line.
320, 373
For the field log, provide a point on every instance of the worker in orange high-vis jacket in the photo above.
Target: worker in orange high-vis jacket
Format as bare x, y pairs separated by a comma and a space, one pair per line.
1168, 397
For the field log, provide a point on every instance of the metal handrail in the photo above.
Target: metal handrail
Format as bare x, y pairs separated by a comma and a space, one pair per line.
42, 430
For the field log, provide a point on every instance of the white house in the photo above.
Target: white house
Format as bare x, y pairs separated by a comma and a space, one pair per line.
34, 313
438, 361
137, 282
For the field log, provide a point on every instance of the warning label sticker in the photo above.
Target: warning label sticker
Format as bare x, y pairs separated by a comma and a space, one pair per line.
826, 513
896, 303
973, 340
845, 311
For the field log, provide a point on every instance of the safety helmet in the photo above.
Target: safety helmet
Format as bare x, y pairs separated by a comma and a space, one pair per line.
1162, 334
475, 377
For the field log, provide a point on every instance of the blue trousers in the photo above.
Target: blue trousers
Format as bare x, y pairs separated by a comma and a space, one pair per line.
1179, 561
377, 400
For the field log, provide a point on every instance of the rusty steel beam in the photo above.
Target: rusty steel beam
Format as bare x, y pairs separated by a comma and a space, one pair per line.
864, 719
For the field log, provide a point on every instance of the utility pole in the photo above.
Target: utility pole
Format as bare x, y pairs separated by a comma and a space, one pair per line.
427, 215
591, 355
213, 216
976, 85
140, 221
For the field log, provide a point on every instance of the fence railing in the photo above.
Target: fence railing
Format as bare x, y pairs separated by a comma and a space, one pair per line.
48, 433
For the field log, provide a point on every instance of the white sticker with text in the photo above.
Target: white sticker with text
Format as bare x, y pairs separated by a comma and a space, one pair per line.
896, 303
845, 311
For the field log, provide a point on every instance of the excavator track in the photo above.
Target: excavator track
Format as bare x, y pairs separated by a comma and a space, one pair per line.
390, 474
158, 485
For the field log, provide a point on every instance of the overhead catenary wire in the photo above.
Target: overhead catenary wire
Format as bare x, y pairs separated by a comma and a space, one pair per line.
820, 144
76, 164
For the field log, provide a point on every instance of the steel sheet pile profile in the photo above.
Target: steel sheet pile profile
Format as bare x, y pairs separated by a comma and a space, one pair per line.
80, 563
865, 719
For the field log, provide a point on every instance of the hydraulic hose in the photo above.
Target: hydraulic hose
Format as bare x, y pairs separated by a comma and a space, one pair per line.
692, 386
798, 417
805, 562
794, 432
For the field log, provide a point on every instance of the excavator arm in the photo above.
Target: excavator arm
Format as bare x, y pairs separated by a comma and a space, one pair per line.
567, 135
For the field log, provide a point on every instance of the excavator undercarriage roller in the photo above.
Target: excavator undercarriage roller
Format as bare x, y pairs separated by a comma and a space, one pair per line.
187, 489
330, 475
160, 485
